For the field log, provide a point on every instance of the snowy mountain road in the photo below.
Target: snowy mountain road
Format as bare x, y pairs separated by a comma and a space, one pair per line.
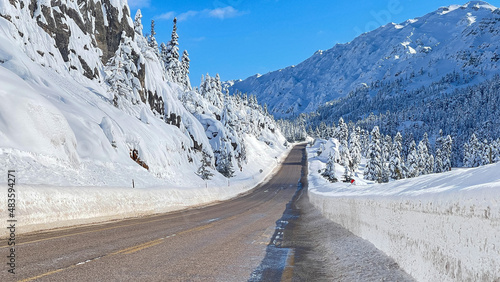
222, 242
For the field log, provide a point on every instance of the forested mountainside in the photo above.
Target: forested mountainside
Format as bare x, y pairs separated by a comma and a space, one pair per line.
459, 40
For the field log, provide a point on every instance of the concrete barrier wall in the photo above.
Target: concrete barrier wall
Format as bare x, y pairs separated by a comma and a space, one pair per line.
443, 237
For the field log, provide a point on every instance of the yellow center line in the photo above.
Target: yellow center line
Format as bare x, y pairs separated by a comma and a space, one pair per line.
138, 247
46, 274
133, 249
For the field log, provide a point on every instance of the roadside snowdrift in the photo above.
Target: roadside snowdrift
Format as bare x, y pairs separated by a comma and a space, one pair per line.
45, 206
438, 227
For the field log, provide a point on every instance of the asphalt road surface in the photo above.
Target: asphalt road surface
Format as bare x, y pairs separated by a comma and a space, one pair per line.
222, 242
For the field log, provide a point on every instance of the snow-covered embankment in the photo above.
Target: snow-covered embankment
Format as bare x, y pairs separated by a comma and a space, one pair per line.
439, 227
42, 207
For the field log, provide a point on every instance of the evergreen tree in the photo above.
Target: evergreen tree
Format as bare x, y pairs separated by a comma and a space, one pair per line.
329, 172
474, 158
423, 157
172, 64
495, 150
152, 40
438, 162
185, 70
396, 170
224, 163
425, 140
138, 22
384, 178
446, 153
486, 153
323, 134
355, 149
373, 170
345, 155
342, 131
347, 174
122, 74
412, 161
203, 170
386, 148
468, 158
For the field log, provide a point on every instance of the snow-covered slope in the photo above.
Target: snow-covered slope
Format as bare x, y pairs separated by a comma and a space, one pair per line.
437, 227
86, 100
459, 39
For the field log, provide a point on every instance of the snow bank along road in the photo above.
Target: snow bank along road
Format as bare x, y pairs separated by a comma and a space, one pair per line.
223, 242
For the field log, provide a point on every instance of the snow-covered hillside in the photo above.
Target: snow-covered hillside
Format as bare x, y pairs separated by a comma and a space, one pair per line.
459, 40
87, 100
438, 227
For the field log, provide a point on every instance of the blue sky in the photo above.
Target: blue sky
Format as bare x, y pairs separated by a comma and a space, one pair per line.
239, 38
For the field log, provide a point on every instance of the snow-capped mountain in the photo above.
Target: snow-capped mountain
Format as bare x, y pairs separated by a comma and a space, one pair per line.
87, 99
459, 39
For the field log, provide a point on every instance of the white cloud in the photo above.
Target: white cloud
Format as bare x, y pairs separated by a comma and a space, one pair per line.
135, 4
184, 16
223, 13
165, 16
219, 13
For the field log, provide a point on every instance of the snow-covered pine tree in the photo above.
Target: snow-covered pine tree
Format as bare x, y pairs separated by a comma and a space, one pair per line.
342, 131
438, 162
323, 131
355, 149
203, 170
172, 64
365, 143
424, 162
425, 140
373, 170
224, 163
152, 39
495, 150
329, 172
122, 74
446, 153
407, 140
228, 119
386, 148
138, 22
486, 153
342, 135
242, 157
440, 141
185, 70
163, 52
396, 166
347, 174
472, 156
385, 174
345, 155
412, 161
468, 158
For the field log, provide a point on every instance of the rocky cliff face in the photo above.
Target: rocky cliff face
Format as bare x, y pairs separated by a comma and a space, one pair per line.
98, 24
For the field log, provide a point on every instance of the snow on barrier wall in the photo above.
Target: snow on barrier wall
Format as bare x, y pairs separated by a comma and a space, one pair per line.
439, 237
437, 227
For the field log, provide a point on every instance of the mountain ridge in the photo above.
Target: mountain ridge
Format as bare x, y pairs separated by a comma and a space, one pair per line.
459, 38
